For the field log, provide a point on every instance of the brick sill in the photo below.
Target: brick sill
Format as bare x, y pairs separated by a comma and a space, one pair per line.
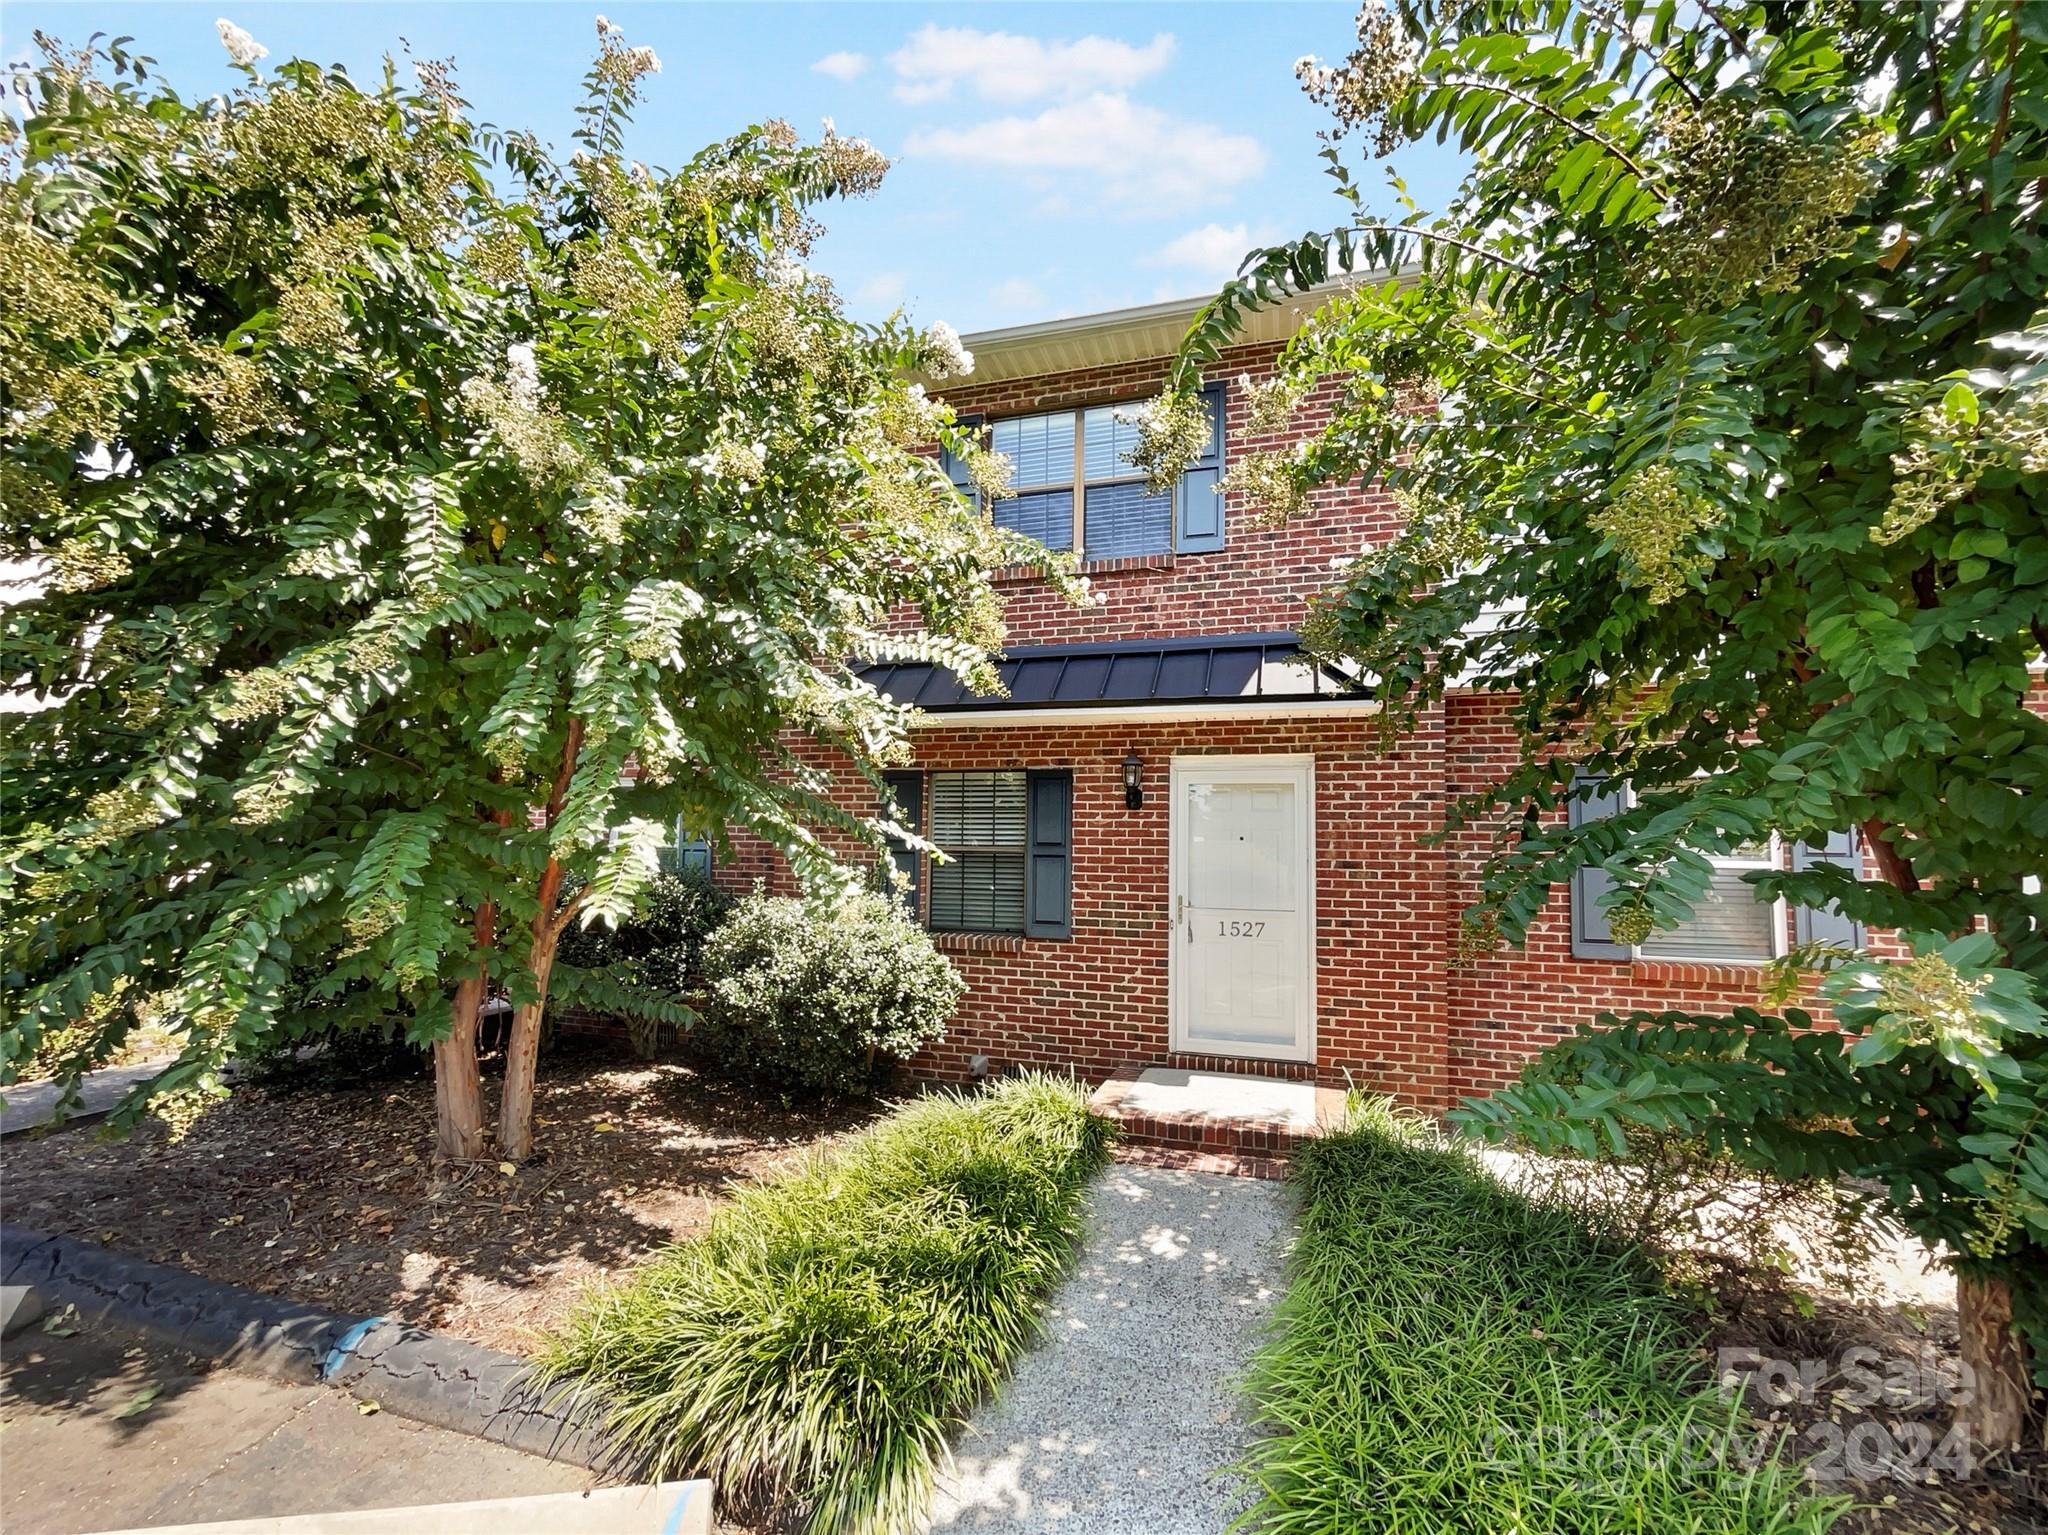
978, 943
1015, 575
1680, 971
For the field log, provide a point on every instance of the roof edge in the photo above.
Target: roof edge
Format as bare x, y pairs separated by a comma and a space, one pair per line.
1140, 646
1137, 333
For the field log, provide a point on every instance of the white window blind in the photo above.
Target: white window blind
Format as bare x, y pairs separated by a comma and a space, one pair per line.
978, 819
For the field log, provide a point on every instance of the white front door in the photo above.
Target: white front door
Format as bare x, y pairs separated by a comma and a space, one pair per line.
1243, 907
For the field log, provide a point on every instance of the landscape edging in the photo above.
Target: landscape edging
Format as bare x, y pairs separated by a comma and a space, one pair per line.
412, 1371
286, 1340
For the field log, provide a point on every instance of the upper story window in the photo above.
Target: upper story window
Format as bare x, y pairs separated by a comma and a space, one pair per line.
1077, 489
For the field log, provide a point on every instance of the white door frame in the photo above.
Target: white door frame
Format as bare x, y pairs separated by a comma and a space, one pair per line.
1301, 768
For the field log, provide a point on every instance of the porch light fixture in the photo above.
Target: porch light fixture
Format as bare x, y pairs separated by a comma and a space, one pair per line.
1134, 780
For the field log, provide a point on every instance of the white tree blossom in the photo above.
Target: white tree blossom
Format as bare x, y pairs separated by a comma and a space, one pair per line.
944, 356
243, 49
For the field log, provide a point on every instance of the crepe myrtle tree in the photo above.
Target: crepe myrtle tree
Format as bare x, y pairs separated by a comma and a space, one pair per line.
427, 530
1717, 402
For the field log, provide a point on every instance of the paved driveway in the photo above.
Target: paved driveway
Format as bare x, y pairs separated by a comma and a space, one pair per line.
212, 1444
1119, 1423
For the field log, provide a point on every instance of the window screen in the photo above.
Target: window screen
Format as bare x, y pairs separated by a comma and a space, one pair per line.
978, 819
1123, 521
1040, 448
1728, 925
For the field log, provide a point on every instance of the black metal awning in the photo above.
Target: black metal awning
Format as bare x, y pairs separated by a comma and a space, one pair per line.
1214, 669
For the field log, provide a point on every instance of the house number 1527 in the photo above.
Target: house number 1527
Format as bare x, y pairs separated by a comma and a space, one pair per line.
1227, 929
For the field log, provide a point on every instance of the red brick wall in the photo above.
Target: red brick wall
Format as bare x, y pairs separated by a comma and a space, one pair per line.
1392, 1013
1506, 1006
1098, 1001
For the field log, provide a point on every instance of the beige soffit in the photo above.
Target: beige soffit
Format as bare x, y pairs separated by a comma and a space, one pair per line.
1124, 335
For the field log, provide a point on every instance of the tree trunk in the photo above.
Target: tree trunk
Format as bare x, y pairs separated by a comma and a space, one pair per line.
1995, 1362
522, 1050
458, 1085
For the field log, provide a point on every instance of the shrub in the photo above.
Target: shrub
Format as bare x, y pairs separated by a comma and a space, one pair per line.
822, 1000
1454, 1359
663, 941
814, 1348
312, 1052
660, 950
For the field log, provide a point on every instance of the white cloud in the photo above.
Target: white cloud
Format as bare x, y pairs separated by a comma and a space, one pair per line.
842, 65
916, 95
1212, 251
1017, 293
882, 291
1141, 158
1002, 66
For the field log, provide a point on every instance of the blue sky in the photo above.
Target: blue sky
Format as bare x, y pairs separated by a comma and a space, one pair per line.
1051, 159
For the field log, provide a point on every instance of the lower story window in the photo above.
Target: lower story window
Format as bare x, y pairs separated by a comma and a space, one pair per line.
979, 821
1729, 924
1008, 840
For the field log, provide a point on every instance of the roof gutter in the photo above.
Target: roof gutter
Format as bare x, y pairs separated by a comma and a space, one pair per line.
1141, 332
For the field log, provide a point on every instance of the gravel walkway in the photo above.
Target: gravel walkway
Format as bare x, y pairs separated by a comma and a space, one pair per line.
1120, 1421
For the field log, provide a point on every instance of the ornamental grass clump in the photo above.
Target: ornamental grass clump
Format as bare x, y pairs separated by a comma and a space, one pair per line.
1454, 1359
813, 1349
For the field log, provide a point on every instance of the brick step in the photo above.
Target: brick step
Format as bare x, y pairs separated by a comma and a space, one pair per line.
1216, 1114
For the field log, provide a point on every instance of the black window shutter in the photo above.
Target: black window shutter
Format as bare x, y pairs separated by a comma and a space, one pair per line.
1590, 938
1827, 924
956, 469
906, 790
1198, 505
1049, 870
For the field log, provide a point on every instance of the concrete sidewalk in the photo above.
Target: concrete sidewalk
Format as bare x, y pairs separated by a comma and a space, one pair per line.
30, 1105
108, 1428
1119, 1423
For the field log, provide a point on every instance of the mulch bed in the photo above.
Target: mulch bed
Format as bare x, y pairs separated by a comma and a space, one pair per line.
1875, 1425
329, 1194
